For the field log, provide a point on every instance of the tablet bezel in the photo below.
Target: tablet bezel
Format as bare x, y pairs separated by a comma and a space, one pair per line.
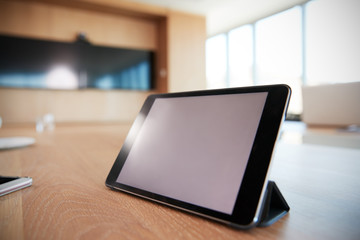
249, 199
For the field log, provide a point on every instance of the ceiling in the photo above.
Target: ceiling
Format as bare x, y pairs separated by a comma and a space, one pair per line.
222, 15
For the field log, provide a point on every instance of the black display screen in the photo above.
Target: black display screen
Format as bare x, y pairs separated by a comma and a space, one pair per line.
32, 63
7, 179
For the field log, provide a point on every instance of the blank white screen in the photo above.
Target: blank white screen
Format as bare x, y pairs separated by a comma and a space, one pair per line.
195, 149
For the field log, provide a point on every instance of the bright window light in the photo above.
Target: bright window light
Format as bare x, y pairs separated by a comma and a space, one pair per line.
279, 53
241, 56
310, 44
216, 62
332, 41
61, 77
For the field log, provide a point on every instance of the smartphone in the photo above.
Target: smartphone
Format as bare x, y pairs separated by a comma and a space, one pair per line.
12, 184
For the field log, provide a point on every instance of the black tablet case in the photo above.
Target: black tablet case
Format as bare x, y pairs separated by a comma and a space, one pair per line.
274, 206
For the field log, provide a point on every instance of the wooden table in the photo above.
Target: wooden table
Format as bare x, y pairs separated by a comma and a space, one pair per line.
69, 200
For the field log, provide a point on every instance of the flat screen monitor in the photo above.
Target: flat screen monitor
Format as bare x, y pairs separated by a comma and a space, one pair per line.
34, 63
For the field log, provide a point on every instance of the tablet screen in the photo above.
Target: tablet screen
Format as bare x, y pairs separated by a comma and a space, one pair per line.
195, 149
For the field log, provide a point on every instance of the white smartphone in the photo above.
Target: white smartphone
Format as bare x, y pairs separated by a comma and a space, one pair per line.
12, 184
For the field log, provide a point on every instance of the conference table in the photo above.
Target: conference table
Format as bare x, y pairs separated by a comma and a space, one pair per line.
69, 199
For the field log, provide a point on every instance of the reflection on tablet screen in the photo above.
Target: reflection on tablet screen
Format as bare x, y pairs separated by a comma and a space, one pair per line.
195, 149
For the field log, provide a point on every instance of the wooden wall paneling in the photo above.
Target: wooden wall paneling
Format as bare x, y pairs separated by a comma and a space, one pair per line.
46, 21
25, 19
161, 73
118, 7
106, 29
27, 105
41, 20
177, 38
186, 51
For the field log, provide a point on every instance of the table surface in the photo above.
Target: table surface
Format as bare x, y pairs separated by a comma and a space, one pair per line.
69, 200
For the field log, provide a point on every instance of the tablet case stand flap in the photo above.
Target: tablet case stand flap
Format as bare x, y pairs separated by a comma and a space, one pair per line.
274, 206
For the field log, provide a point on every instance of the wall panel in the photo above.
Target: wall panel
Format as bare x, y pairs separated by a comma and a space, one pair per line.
41, 20
177, 38
186, 51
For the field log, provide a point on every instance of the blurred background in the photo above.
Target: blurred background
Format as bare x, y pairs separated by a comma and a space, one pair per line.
96, 61
313, 43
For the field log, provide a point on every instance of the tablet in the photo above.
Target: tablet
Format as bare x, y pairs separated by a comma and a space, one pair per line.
206, 152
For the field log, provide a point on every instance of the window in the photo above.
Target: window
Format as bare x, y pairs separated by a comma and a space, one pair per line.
241, 56
332, 41
315, 43
216, 61
278, 57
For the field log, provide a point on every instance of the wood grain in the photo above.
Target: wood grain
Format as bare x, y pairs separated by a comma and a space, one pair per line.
69, 200
62, 23
186, 48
